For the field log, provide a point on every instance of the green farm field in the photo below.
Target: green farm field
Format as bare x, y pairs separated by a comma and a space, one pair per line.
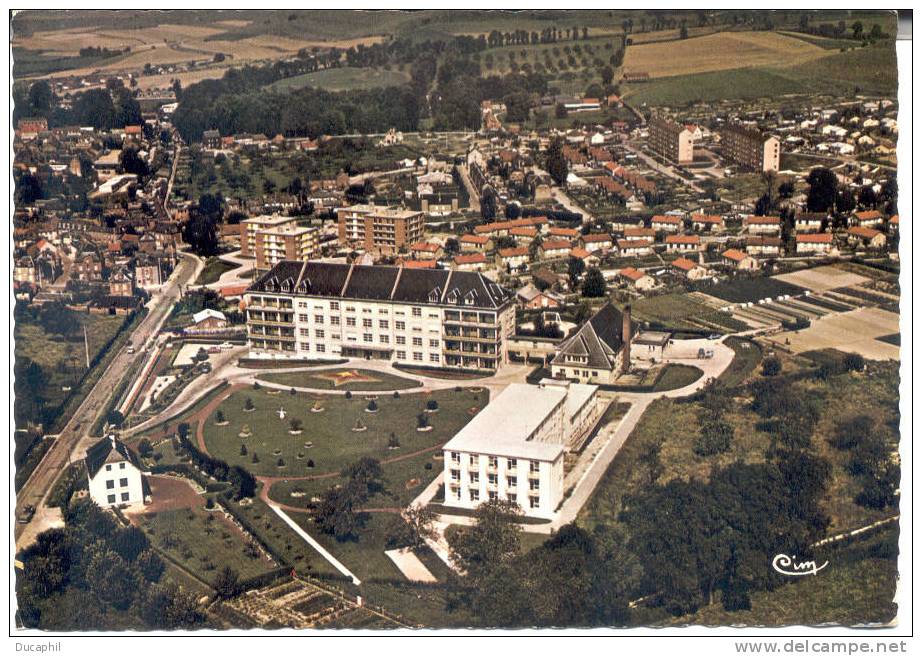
343, 79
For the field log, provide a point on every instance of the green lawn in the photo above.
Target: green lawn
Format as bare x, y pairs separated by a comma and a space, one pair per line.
203, 543
747, 355
675, 376
334, 444
377, 381
364, 555
214, 269
343, 79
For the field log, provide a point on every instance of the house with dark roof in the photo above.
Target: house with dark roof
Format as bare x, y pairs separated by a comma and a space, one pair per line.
114, 473
599, 351
422, 317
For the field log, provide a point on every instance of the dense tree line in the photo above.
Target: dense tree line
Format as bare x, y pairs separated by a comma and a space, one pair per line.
94, 573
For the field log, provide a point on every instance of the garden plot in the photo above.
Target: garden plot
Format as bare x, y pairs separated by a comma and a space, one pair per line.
856, 331
160, 384
822, 279
184, 356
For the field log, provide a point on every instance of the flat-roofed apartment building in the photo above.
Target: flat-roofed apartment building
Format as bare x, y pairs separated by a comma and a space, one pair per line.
286, 242
423, 317
379, 229
750, 148
514, 448
671, 140
258, 223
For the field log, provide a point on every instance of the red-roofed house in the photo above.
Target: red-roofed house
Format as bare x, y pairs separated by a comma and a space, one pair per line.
582, 254
666, 223
707, 222
683, 243
424, 250
555, 248
472, 262
764, 246
739, 260
512, 257
868, 219
635, 247
762, 225
867, 237
564, 233
689, 268
596, 242
475, 243
420, 264
636, 278
819, 242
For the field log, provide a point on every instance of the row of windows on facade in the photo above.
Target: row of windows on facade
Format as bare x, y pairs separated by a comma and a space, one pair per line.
111, 498
493, 462
368, 338
482, 317
533, 501
534, 485
122, 482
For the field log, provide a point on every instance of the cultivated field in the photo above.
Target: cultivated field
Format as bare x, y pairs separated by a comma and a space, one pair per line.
717, 52
821, 279
853, 332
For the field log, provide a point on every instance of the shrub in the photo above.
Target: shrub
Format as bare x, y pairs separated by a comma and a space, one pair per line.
248, 404
219, 416
280, 462
428, 466
293, 391
396, 394
422, 420
310, 463
771, 366
348, 394
243, 449
209, 503
255, 458
372, 406
296, 424
716, 437
144, 447
256, 385
432, 405
854, 362
393, 442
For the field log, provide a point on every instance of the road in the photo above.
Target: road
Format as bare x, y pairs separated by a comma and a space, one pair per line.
473, 195
668, 171
73, 439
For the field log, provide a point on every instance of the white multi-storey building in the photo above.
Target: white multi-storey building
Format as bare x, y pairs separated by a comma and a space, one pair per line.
514, 448
422, 317
114, 474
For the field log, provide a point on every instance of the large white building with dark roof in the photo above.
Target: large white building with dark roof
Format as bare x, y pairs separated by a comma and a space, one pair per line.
421, 317
514, 448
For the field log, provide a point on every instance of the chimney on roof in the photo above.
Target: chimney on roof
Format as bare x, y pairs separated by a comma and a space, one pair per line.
626, 339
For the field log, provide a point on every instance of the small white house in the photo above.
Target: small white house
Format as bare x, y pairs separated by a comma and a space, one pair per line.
114, 474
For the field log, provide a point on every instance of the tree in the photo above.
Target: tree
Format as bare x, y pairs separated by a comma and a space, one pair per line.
607, 75
857, 30
575, 268
115, 418
556, 163
150, 565
41, 98
366, 473
412, 528
786, 189
594, 285
488, 204
853, 362
226, 582
491, 542
771, 366
201, 233
822, 193
683, 31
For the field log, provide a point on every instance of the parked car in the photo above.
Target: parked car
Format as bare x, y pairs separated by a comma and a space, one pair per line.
25, 515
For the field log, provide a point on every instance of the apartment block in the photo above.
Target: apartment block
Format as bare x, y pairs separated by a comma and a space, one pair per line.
287, 242
749, 148
671, 140
255, 225
423, 317
514, 448
385, 230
